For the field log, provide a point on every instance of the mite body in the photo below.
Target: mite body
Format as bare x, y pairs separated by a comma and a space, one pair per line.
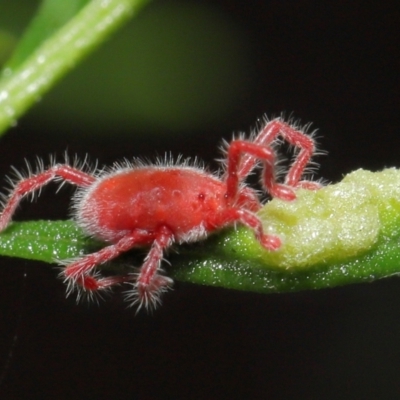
187, 201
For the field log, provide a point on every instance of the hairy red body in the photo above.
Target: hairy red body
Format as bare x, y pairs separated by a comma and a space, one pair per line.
187, 201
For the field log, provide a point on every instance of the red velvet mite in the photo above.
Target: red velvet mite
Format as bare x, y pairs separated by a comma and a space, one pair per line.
134, 205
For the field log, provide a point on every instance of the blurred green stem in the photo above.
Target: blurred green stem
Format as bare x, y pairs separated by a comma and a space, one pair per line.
22, 87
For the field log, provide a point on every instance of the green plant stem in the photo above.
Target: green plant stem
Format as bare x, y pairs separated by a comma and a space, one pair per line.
21, 88
341, 234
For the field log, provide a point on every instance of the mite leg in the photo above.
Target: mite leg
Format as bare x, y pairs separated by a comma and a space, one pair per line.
264, 153
231, 215
77, 273
36, 182
149, 283
293, 136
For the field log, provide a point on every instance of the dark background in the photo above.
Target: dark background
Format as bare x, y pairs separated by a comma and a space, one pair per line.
333, 63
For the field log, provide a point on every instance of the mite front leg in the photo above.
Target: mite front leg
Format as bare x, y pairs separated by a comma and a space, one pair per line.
293, 136
232, 215
264, 153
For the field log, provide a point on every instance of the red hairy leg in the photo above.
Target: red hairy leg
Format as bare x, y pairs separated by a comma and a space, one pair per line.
294, 137
149, 283
266, 154
77, 272
35, 182
231, 215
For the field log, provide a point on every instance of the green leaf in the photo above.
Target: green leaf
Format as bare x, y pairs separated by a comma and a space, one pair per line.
46, 241
344, 233
39, 66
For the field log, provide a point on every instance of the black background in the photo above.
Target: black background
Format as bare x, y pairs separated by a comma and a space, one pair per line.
333, 63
